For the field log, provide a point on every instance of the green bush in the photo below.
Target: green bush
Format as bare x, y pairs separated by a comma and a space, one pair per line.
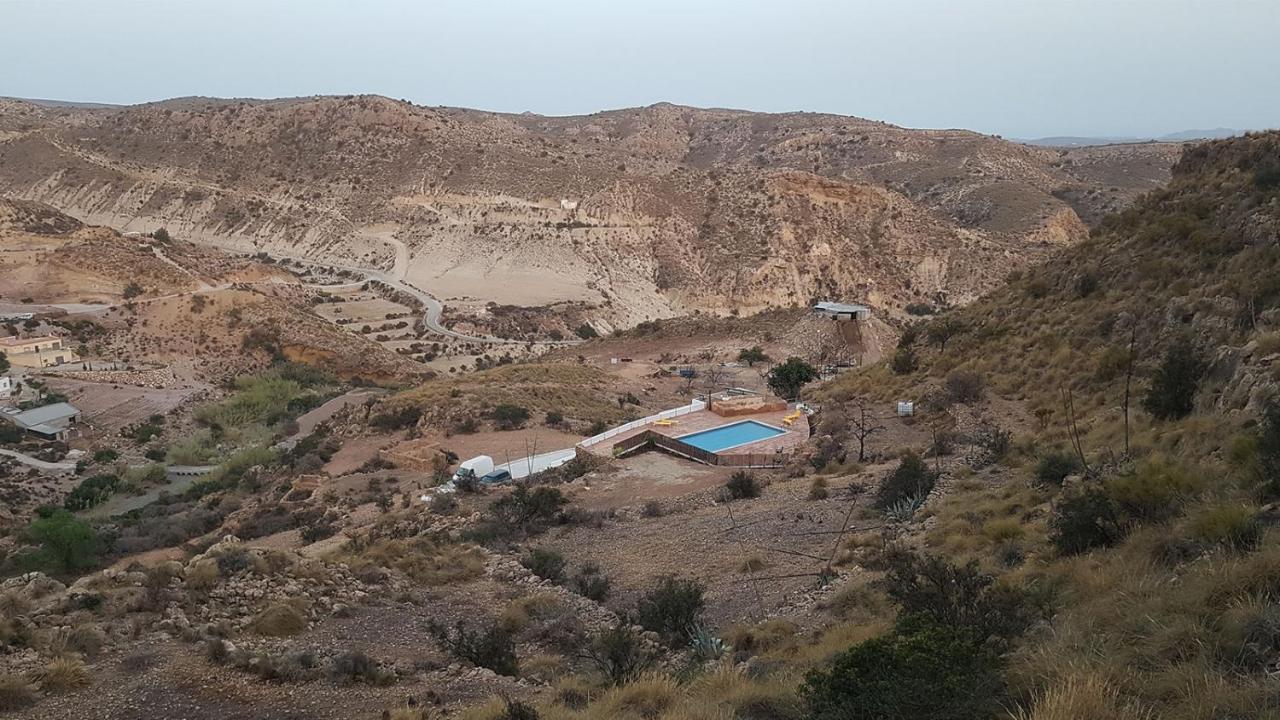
66, 543
91, 491
488, 647
904, 361
911, 479
752, 355
590, 583
1172, 392
958, 596
672, 608
923, 670
1054, 467
619, 653
787, 379
1268, 450
1085, 521
509, 417
742, 485
546, 564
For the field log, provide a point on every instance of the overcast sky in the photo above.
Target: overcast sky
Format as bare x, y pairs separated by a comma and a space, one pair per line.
1021, 68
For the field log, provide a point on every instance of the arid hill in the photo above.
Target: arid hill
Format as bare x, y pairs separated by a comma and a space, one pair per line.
643, 213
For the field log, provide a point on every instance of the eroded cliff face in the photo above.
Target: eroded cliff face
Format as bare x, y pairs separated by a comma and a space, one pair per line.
643, 213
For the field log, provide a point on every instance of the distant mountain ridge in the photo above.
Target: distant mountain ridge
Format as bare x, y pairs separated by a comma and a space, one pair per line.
640, 213
1178, 137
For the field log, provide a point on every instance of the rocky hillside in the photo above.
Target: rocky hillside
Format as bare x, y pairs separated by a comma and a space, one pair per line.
646, 212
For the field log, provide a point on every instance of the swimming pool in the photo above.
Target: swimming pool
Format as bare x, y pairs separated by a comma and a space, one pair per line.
731, 436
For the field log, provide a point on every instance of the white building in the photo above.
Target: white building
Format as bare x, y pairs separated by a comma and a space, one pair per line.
843, 311
6, 387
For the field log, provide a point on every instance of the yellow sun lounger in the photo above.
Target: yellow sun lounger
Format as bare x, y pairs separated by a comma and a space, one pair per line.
665, 423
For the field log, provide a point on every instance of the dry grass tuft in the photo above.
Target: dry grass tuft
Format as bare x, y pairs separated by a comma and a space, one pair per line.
64, 674
16, 693
1082, 696
282, 619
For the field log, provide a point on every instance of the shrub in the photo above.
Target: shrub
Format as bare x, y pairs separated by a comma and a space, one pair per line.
106, 455
16, 693
752, 355
672, 608
1232, 526
509, 417
66, 543
554, 418
546, 564
742, 485
590, 583
64, 674
490, 647
1268, 450
529, 509
586, 332
787, 379
911, 479
818, 489
955, 596
964, 386
91, 491
355, 666
1155, 491
397, 418
1173, 388
923, 670
1249, 635
1054, 467
281, 619
619, 653
1085, 521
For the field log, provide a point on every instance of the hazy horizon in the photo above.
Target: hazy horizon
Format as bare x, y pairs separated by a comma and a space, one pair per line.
1088, 68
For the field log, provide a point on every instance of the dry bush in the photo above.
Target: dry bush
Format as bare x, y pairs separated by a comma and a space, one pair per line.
421, 560
755, 563
281, 619
768, 635
203, 575
1079, 697
16, 693
64, 674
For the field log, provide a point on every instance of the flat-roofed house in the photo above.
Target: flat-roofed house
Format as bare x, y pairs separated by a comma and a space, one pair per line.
51, 422
843, 311
6, 387
37, 352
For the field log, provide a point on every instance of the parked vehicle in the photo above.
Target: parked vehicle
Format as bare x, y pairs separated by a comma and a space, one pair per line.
474, 468
497, 477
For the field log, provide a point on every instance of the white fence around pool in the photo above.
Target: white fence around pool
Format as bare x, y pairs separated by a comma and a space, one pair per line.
695, 406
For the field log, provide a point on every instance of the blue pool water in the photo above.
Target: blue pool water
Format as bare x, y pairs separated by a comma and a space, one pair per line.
729, 436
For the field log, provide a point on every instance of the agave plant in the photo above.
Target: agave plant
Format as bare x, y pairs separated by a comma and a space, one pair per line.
705, 644
905, 509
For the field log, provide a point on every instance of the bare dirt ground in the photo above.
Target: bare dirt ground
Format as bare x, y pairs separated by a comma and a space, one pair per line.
110, 407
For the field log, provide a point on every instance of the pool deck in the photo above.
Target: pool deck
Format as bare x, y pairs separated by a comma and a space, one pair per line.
694, 422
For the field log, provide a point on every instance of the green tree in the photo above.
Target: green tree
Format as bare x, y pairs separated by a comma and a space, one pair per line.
787, 379
65, 542
1173, 388
132, 290
941, 331
752, 355
4, 363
